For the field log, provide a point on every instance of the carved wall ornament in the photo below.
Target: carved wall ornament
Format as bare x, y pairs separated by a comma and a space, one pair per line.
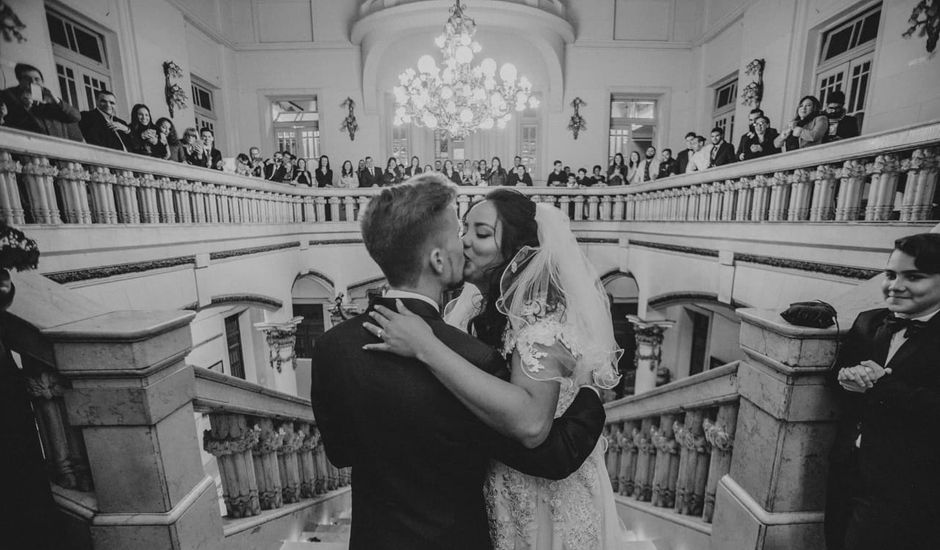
350, 126
226, 446
174, 94
577, 122
753, 93
925, 22
281, 338
717, 435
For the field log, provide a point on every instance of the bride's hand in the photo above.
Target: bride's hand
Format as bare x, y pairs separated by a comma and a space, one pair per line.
403, 333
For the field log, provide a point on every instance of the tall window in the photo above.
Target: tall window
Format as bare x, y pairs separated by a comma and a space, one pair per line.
726, 94
297, 126
845, 60
633, 125
204, 105
233, 341
528, 140
400, 144
81, 60
310, 328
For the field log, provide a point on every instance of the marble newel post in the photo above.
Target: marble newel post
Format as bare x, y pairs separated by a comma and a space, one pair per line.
774, 494
649, 344
131, 395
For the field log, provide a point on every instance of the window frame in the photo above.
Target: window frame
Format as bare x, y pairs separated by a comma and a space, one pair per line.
723, 115
294, 131
621, 129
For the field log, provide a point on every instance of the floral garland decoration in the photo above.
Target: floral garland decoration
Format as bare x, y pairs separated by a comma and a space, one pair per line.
349, 123
577, 122
10, 24
17, 251
753, 93
926, 17
174, 93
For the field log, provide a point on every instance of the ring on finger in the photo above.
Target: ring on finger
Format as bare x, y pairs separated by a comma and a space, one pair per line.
380, 333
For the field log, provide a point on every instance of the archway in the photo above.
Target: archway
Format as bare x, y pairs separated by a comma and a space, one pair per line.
624, 292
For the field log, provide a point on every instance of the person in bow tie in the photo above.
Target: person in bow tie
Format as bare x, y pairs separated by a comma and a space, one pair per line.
884, 469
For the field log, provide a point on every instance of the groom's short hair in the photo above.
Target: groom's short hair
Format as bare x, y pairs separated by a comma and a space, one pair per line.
402, 220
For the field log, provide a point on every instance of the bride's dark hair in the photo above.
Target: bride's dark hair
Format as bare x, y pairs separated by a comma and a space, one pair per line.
516, 215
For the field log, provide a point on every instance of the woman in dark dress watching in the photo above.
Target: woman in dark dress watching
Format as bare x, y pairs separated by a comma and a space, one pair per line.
143, 132
414, 168
390, 176
324, 173
302, 176
168, 145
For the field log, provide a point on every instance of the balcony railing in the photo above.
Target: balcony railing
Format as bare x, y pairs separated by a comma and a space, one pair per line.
266, 443
669, 447
57, 182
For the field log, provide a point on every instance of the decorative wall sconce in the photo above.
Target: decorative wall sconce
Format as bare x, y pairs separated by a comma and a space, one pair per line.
281, 338
349, 123
577, 122
174, 93
753, 93
926, 17
342, 310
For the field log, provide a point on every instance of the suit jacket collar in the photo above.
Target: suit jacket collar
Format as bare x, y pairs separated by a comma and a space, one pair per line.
418, 307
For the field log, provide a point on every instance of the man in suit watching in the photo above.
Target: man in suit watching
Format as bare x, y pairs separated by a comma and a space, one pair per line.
722, 152
419, 457
885, 469
685, 156
101, 127
371, 175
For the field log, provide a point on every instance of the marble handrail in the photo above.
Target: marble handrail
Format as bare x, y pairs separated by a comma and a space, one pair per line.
672, 445
57, 182
266, 443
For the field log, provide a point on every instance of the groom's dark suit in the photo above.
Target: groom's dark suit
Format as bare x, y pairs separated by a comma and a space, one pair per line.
418, 456
884, 493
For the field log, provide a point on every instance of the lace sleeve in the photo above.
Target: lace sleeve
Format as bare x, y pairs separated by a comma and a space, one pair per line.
544, 351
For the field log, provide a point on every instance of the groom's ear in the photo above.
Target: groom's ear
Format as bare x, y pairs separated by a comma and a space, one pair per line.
436, 260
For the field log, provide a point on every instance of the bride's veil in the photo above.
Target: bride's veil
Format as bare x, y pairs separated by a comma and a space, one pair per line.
559, 276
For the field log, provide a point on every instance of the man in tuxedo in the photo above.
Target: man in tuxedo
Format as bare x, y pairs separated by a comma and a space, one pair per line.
685, 156
649, 166
557, 177
34, 108
371, 175
213, 155
419, 457
271, 166
101, 127
885, 469
722, 152
667, 165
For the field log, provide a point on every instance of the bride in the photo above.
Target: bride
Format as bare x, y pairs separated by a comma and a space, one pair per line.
532, 294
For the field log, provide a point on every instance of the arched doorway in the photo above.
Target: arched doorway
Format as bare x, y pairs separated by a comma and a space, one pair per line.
623, 292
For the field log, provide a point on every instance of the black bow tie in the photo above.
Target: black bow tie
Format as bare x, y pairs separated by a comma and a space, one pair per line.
910, 327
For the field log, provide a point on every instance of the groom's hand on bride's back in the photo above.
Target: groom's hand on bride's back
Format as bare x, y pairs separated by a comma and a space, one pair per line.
571, 440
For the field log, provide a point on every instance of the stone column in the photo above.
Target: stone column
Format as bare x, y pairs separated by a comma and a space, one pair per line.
649, 343
231, 440
774, 494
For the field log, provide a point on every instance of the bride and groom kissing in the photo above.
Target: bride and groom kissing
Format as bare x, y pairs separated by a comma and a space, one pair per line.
480, 427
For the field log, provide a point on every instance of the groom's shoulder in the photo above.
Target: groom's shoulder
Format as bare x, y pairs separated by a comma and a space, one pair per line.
349, 330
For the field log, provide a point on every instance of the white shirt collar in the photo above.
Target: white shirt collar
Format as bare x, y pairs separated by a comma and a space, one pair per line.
396, 293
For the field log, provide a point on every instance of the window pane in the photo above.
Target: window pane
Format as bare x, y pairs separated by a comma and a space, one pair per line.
838, 42
870, 28
88, 45
57, 30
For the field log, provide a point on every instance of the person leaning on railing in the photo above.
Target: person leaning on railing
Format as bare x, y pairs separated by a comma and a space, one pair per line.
809, 127
143, 131
348, 178
33, 108
168, 146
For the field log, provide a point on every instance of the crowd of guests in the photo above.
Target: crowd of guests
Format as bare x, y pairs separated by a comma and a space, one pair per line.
812, 125
32, 107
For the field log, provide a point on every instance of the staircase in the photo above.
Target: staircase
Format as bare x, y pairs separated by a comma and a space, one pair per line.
335, 536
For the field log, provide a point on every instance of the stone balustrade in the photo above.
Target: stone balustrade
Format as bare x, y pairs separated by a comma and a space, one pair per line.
670, 446
266, 443
892, 175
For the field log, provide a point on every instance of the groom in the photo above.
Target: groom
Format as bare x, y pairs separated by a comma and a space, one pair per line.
418, 456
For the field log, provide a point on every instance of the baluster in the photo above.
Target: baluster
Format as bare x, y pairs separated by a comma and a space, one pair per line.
720, 436
334, 208
349, 207
185, 201
667, 462
618, 208
612, 435
703, 449
11, 206
704, 202
323, 469
920, 186
761, 208
628, 455
38, 175
779, 197
266, 466
321, 208
692, 439
593, 202
363, 202
127, 202
148, 199
198, 196
716, 198
564, 204
884, 185
102, 195
604, 209
682, 203
852, 181
212, 206
729, 195
744, 200
308, 469
800, 195
73, 188
822, 207
287, 464
230, 439
165, 208
646, 453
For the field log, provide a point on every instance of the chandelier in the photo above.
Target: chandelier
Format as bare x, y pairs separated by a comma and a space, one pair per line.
456, 97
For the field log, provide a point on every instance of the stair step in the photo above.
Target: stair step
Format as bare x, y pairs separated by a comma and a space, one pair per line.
299, 545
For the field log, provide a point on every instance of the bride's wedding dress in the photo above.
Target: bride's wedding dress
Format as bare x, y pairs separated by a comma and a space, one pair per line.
527, 512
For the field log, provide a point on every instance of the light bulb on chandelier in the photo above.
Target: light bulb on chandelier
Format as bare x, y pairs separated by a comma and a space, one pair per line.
455, 96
